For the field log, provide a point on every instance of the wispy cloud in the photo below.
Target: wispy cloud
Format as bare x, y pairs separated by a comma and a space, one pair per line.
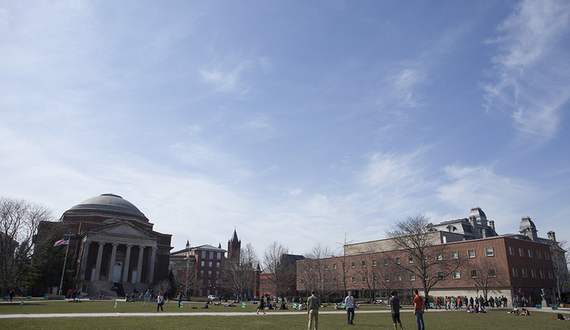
227, 75
531, 67
500, 196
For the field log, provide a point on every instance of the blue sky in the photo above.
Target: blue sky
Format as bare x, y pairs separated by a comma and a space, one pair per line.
292, 121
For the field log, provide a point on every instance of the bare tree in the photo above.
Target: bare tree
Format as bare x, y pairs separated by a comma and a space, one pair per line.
239, 275
560, 261
425, 257
316, 272
486, 275
19, 221
280, 268
102, 286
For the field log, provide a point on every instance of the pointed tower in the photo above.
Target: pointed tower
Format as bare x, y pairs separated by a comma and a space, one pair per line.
234, 246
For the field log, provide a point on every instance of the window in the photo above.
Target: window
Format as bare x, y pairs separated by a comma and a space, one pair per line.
410, 259
385, 260
457, 274
400, 278
489, 252
203, 254
363, 279
363, 263
202, 263
471, 253
514, 272
454, 254
354, 279
334, 266
219, 256
412, 277
511, 251
326, 267
202, 273
533, 273
210, 264
491, 272
374, 263
209, 282
375, 278
438, 256
334, 280
440, 275
218, 264
211, 255
473, 273
521, 252
546, 256
538, 255
529, 253
524, 273
541, 273
550, 274
425, 257
397, 260
353, 264
386, 278
210, 273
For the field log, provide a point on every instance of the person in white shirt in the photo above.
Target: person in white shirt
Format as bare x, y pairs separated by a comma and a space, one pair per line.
349, 304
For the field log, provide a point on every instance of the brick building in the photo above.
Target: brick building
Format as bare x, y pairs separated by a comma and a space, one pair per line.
473, 261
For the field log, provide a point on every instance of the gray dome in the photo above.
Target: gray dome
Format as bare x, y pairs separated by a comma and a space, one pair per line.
109, 203
526, 223
478, 214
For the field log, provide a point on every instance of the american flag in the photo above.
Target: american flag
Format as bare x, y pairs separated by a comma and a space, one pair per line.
63, 241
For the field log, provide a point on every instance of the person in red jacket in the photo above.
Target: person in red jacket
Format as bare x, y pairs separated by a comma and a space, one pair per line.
419, 310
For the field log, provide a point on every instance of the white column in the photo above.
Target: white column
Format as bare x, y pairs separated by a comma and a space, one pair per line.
112, 263
152, 260
139, 265
98, 264
84, 260
125, 277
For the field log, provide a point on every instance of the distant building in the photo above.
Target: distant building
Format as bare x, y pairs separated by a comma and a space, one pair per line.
200, 269
509, 265
113, 241
266, 283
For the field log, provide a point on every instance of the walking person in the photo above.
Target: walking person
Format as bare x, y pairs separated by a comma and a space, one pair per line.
261, 306
394, 305
313, 304
160, 301
349, 304
146, 298
419, 310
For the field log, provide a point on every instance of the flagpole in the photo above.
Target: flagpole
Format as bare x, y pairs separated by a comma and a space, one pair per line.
64, 263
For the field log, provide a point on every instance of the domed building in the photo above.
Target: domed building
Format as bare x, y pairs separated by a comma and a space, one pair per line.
113, 241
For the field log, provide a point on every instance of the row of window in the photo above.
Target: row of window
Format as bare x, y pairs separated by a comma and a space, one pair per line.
524, 273
211, 255
489, 252
210, 264
529, 253
209, 273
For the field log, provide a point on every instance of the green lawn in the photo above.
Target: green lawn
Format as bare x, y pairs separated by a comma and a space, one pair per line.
496, 319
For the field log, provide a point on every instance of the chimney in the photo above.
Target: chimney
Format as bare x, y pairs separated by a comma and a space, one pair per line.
551, 236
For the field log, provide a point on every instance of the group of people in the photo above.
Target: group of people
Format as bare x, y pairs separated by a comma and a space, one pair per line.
313, 305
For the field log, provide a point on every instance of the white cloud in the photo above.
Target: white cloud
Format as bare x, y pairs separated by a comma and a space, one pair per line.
499, 196
532, 67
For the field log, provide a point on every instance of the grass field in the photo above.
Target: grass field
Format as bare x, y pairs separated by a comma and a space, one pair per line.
240, 318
